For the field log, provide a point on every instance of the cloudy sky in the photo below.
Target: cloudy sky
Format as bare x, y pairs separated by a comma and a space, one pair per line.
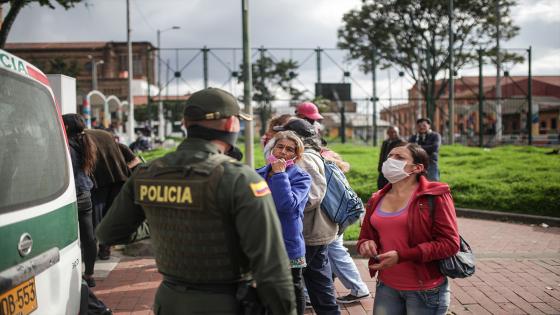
273, 24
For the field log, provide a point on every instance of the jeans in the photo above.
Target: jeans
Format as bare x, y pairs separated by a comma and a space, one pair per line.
297, 277
318, 280
345, 269
102, 198
433, 171
87, 238
389, 301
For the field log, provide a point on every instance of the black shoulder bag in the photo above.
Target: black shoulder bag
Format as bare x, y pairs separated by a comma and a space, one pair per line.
460, 265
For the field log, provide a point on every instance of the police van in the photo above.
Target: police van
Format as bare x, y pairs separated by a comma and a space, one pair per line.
40, 259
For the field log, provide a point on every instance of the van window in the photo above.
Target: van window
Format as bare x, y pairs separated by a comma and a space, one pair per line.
33, 166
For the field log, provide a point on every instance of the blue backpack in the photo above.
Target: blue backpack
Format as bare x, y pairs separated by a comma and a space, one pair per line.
341, 204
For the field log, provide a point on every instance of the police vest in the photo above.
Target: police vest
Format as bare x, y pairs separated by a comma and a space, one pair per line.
194, 238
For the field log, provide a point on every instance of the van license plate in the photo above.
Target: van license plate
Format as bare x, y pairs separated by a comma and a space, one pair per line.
20, 300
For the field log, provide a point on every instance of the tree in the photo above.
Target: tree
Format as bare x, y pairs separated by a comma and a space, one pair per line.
414, 34
268, 76
58, 65
17, 5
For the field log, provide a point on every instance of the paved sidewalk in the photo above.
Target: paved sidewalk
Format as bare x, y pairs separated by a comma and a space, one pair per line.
518, 272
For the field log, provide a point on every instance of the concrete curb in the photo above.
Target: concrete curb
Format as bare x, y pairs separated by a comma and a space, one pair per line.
507, 216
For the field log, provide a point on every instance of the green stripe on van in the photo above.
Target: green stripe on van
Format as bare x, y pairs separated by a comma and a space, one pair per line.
58, 228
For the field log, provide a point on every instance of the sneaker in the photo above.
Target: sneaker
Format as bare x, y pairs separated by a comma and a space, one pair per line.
350, 298
308, 305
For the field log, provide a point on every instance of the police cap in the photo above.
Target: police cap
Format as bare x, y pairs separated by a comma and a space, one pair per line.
211, 104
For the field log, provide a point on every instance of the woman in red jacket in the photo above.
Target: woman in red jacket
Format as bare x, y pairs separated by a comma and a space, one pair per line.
404, 241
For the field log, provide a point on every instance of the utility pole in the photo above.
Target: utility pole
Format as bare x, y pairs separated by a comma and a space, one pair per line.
451, 110
130, 74
161, 116
480, 101
374, 94
264, 102
530, 99
419, 113
205, 65
247, 84
498, 77
318, 90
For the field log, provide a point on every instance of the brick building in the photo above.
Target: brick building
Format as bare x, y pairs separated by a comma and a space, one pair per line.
75, 59
546, 108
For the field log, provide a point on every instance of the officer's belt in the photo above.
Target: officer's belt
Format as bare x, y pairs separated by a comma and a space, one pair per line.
226, 288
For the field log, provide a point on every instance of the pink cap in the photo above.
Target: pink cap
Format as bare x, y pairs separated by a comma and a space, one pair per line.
309, 110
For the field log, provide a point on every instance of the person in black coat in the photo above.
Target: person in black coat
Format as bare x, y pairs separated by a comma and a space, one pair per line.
393, 140
83, 153
430, 141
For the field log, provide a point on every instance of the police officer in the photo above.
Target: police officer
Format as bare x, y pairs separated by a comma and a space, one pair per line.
211, 219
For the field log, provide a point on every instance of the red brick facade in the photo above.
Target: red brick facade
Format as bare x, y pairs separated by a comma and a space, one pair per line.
546, 98
111, 75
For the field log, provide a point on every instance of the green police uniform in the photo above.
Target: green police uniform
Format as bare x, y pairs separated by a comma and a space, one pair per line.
213, 225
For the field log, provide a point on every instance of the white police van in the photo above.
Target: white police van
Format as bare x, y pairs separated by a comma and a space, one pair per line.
40, 260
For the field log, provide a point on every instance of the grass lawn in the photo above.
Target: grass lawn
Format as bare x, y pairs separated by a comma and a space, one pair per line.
519, 179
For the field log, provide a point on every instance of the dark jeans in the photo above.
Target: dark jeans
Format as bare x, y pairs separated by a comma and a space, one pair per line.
433, 171
318, 280
102, 198
297, 277
87, 238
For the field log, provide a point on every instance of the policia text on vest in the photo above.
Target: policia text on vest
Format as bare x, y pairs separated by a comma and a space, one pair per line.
165, 193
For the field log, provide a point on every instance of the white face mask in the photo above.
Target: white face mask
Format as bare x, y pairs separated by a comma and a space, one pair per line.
393, 170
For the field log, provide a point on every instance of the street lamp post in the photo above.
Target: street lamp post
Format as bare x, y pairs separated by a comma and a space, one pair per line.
161, 118
130, 128
94, 71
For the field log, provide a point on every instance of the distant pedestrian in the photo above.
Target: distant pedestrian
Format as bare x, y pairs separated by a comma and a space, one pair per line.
310, 112
430, 141
404, 239
290, 186
393, 140
83, 152
110, 173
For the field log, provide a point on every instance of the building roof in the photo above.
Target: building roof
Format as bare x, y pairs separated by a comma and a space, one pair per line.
65, 45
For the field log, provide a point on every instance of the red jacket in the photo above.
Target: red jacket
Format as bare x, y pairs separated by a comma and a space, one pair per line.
430, 239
